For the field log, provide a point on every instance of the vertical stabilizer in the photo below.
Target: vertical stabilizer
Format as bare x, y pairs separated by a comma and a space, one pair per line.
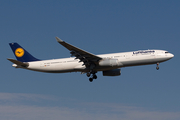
21, 54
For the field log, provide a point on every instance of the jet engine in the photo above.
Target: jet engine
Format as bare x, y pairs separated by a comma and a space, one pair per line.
114, 72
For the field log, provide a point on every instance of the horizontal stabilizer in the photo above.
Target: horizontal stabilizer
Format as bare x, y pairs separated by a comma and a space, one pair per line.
19, 63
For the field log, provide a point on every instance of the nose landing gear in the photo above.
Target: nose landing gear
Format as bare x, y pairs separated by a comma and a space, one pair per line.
157, 68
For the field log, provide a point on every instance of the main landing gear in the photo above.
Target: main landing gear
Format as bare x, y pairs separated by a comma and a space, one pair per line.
157, 66
93, 76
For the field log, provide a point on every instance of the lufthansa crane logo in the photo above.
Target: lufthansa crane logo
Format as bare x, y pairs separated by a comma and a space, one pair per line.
19, 52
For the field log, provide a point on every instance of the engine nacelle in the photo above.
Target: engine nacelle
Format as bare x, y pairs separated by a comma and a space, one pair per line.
114, 72
108, 62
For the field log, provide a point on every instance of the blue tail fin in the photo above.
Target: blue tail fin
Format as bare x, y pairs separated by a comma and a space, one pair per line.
21, 54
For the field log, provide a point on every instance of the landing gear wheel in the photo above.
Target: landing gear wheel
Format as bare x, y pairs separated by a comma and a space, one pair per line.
94, 76
157, 68
90, 79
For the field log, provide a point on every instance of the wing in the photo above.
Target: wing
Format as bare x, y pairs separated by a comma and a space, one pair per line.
86, 57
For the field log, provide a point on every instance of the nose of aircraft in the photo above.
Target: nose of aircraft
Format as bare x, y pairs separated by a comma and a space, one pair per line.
171, 55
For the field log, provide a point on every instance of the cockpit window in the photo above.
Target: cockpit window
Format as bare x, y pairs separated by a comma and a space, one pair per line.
166, 52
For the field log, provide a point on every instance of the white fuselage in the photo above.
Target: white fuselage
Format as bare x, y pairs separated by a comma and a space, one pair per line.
124, 59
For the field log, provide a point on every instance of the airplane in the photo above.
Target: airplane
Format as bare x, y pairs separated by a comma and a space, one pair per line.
88, 63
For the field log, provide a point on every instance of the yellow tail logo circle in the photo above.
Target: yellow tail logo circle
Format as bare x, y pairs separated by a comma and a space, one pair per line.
19, 52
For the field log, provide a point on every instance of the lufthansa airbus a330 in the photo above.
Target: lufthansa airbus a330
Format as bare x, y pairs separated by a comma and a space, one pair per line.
85, 62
